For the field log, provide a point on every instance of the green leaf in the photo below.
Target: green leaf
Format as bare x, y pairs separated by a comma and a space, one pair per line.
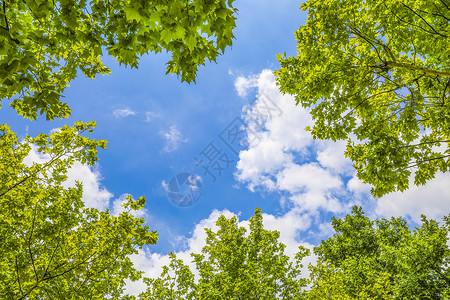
132, 14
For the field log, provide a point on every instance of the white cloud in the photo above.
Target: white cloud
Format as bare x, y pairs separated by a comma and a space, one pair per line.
331, 156
123, 113
307, 177
243, 84
282, 156
357, 187
173, 139
431, 200
289, 225
149, 116
94, 194
194, 182
165, 185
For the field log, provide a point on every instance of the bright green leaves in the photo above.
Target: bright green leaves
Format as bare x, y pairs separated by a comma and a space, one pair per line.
382, 259
175, 282
44, 44
364, 259
233, 265
376, 73
132, 14
51, 245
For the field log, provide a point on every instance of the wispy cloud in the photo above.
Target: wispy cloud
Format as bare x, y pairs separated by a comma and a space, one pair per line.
165, 185
123, 113
173, 139
149, 116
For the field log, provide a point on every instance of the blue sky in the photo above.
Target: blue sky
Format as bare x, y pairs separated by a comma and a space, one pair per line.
156, 125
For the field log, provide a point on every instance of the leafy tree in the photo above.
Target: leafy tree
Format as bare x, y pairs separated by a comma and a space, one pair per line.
382, 259
377, 73
51, 245
43, 44
233, 265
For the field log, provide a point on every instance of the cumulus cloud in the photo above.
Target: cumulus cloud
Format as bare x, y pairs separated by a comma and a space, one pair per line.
95, 195
289, 225
331, 156
243, 84
284, 157
315, 175
123, 113
431, 200
173, 139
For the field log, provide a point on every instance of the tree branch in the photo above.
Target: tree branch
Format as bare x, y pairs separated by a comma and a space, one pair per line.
358, 33
426, 160
410, 24
445, 4
4, 13
442, 276
29, 242
18, 277
47, 164
424, 143
45, 277
391, 64
444, 93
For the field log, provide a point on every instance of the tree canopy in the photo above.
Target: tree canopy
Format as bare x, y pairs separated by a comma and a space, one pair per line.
382, 259
233, 265
377, 73
45, 43
51, 245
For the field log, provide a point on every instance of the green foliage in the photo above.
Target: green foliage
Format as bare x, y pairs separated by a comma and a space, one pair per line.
382, 259
233, 265
377, 73
51, 245
44, 43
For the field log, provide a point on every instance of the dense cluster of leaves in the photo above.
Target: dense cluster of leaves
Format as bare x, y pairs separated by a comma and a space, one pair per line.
233, 265
382, 259
51, 245
44, 43
377, 73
